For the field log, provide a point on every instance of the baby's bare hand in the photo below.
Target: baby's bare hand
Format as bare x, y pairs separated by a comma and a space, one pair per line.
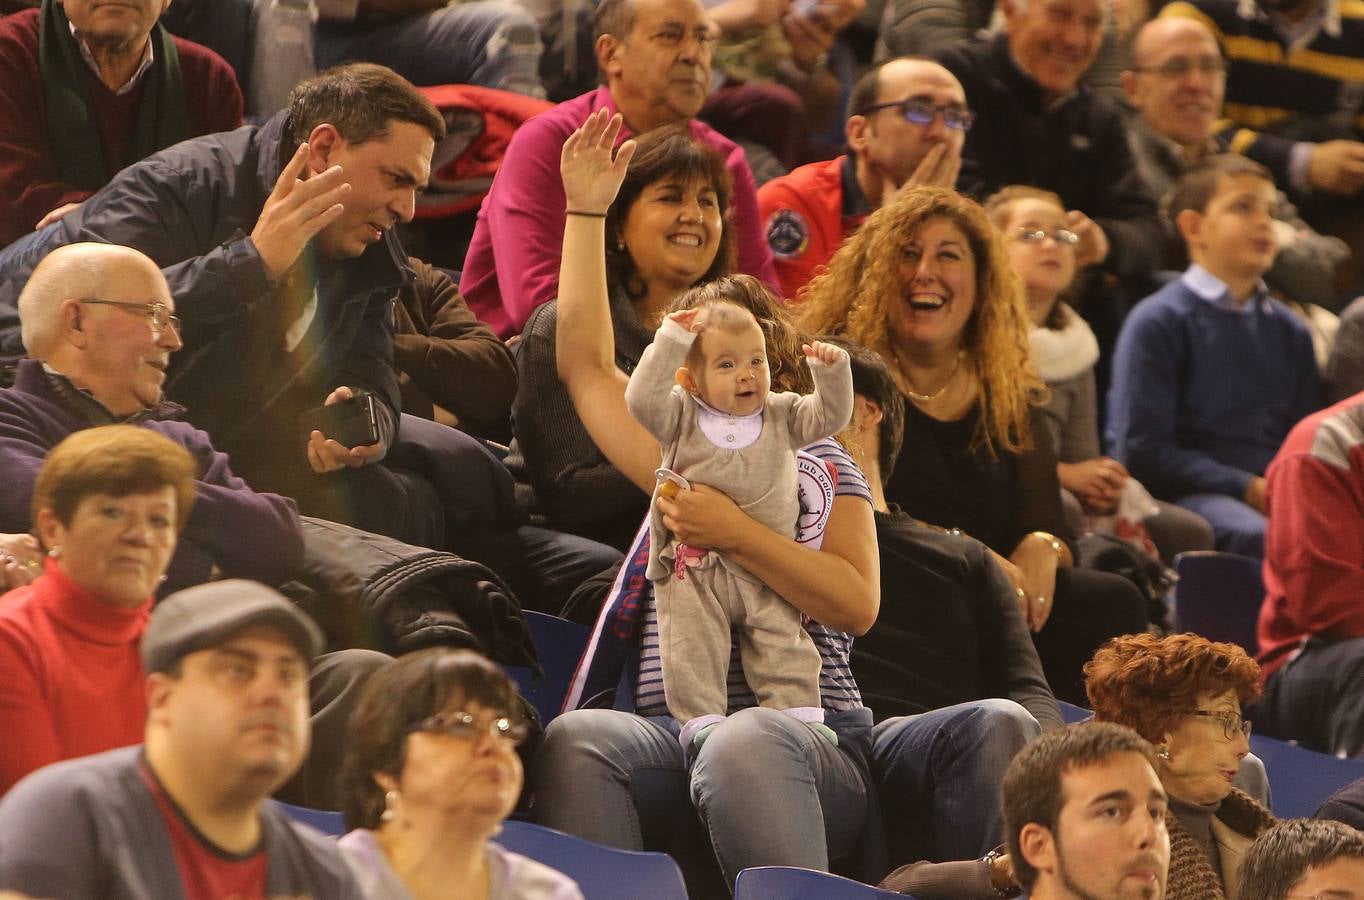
828, 354
693, 320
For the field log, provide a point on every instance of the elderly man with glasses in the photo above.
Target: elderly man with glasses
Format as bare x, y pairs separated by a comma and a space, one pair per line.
908, 121
1177, 83
100, 326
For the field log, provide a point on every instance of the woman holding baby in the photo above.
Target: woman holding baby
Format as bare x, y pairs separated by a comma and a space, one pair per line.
769, 788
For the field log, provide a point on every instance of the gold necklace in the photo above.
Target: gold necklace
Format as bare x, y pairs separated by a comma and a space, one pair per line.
929, 398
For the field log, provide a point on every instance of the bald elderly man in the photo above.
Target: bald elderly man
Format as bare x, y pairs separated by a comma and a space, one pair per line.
908, 120
99, 323
1177, 84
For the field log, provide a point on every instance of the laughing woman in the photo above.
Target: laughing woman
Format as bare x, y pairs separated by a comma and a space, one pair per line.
665, 233
927, 283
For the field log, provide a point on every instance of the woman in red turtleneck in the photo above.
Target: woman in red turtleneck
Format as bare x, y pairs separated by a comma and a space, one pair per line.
108, 506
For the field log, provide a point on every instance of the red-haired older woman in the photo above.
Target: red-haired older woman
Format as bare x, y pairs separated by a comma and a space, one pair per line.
108, 507
1185, 694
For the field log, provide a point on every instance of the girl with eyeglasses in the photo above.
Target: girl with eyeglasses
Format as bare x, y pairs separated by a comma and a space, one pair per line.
431, 771
1064, 351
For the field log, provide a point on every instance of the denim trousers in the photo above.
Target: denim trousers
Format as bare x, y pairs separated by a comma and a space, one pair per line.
491, 43
769, 791
1315, 699
939, 775
1236, 527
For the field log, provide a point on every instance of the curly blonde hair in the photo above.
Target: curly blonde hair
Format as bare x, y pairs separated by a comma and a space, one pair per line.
855, 296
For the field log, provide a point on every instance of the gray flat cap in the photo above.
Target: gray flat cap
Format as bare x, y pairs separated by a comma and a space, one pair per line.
208, 614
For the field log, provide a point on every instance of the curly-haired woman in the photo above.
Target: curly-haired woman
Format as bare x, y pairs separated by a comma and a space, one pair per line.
927, 283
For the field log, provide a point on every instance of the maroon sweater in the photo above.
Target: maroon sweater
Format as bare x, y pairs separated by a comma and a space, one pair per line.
29, 184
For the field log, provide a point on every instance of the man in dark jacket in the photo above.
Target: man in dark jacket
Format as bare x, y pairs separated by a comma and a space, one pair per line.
277, 244
1036, 125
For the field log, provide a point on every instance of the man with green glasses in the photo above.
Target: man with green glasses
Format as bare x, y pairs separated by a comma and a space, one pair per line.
908, 120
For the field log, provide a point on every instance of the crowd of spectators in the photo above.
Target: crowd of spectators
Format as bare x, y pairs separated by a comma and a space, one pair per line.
268, 423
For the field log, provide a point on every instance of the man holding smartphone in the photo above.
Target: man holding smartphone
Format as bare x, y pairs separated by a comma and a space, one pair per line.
278, 246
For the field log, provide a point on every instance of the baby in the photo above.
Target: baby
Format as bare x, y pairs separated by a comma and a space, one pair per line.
719, 425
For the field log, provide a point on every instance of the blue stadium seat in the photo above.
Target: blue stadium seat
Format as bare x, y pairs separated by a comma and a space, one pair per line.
1302, 779
1072, 713
787, 883
560, 644
324, 820
1219, 597
603, 873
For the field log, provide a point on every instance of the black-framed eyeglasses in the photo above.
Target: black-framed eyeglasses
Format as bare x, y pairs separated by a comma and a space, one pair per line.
1232, 723
467, 726
158, 314
922, 111
1181, 66
1037, 235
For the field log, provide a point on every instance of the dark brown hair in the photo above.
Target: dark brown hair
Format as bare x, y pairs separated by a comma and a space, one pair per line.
785, 358
118, 460
397, 697
360, 100
1149, 683
872, 379
1281, 856
1200, 183
667, 152
1032, 790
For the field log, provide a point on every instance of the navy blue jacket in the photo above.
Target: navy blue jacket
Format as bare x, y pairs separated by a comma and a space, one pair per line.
191, 208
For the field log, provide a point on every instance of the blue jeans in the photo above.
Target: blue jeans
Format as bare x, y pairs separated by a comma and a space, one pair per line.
492, 43
939, 774
1315, 699
1236, 527
769, 790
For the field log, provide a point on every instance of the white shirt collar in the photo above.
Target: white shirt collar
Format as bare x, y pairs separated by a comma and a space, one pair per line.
147, 57
1212, 289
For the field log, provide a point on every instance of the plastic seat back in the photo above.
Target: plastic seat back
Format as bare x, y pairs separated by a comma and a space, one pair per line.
603, 873
560, 644
788, 883
1300, 780
1219, 597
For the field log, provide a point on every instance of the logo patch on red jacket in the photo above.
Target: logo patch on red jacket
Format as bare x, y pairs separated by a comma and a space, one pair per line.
787, 234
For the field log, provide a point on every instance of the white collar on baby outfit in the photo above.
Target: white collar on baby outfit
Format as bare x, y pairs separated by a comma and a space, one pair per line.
725, 430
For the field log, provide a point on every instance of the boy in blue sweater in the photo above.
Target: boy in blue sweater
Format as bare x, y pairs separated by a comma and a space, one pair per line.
1210, 372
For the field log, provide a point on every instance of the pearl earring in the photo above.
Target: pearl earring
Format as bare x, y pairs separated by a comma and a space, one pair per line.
390, 800
55, 553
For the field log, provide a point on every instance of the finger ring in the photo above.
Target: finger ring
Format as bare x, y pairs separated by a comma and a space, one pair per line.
31, 565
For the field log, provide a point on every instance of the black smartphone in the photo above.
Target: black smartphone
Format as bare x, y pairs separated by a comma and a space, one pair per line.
351, 423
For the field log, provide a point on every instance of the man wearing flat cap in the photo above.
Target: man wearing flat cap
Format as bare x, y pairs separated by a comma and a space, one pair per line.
187, 812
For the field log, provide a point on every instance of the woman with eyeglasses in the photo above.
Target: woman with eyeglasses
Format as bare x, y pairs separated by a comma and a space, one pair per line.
431, 772
1185, 694
1064, 350
927, 283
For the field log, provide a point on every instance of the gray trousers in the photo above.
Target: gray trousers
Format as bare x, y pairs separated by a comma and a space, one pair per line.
781, 662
